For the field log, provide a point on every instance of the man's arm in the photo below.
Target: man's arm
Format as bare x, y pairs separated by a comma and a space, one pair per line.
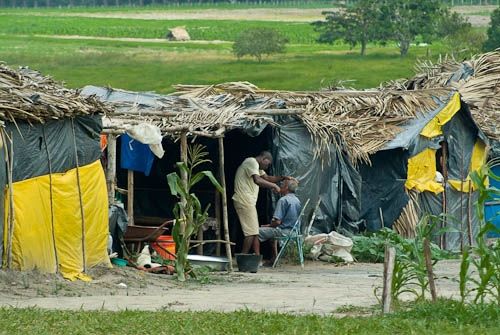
276, 179
265, 183
275, 222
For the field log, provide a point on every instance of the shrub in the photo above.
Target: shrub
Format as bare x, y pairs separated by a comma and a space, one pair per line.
493, 40
257, 42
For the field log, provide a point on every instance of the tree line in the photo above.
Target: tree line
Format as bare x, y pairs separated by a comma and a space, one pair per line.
401, 21
139, 3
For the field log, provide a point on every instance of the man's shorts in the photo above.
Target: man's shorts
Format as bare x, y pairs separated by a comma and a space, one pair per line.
248, 218
269, 233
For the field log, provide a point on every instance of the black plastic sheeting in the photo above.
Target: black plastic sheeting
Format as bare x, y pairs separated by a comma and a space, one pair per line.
322, 178
458, 213
461, 134
383, 190
32, 142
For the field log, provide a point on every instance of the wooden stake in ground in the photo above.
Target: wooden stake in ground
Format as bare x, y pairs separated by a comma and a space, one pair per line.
469, 213
428, 266
224, 203
130, 196
389, 260
111, 168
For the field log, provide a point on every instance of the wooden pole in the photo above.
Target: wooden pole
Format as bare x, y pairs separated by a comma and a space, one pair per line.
445, 204
469, 214
130, 196
461, 200
111, 168
389, 260
9, 159
428, 266
218, 226
224, 203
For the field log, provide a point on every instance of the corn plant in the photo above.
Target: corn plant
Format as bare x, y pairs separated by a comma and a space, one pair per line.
410, 272
484, 259
188, 211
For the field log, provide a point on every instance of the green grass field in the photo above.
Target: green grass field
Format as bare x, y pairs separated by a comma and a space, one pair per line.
130, 53
444, 317
144, 66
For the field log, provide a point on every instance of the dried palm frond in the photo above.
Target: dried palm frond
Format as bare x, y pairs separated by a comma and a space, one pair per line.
477, 80
27, 95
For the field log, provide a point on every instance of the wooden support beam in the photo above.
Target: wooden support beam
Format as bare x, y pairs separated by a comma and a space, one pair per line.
218, 226
428, 266
130, 196
389, 261
224, 203
111, 168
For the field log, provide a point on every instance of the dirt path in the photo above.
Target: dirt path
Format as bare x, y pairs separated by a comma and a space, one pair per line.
320, 288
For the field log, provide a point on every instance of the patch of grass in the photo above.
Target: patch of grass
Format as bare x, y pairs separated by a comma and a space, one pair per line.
207, 30
156, 67
444, 317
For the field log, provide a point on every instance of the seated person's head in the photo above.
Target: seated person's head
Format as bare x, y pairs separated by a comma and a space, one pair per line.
289, 186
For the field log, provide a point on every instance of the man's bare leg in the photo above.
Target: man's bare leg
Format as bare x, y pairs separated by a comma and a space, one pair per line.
247, 244
256, 245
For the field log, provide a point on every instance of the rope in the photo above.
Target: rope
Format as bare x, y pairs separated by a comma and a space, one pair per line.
79, 195
51, 199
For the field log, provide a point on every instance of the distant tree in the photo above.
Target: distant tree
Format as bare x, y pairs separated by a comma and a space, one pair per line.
407, 19
257, 42
357, 24
493, 33
458, 35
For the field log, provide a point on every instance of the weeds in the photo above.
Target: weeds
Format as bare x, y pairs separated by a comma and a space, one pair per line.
484, 259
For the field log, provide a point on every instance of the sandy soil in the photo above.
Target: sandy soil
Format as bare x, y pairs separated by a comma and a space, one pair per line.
320, 288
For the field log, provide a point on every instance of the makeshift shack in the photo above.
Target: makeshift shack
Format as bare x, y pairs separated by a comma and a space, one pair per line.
53, 203
360, 152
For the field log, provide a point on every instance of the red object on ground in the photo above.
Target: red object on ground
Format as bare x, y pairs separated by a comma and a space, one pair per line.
165, 247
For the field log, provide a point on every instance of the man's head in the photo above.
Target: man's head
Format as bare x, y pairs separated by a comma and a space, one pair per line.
289, 186
265, 159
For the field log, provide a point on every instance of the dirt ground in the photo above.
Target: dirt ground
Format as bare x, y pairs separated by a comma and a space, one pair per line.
477, 15
319, 288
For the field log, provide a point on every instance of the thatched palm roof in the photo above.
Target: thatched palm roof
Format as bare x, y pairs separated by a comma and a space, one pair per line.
27, 95
357, 122
477, 80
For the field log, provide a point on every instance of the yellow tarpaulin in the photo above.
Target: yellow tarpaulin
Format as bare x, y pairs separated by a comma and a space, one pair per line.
478, 158
58, 238
433, 128
422, 172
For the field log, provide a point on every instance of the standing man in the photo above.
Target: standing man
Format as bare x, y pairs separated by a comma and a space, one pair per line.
249, 177
285, 216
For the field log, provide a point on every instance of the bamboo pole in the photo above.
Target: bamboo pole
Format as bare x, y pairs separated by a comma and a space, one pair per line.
218, 229
428, 266
80, 199
9, 155
469, 214
445, 205
461, 200
224, 204
389, 260
111, 168
130, 196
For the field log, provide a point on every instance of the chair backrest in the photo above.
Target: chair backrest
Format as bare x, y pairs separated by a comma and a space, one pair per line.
297, 227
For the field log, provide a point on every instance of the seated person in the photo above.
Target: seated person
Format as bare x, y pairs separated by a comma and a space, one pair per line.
285, 215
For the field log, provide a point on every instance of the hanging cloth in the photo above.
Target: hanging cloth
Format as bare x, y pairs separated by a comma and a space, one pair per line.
135, 155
